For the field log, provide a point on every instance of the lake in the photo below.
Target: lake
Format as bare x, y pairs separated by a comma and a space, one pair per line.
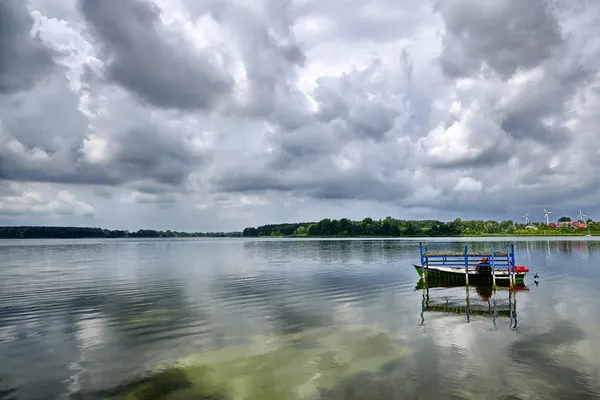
291, 319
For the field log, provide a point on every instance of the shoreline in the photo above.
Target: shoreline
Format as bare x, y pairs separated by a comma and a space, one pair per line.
498, 235
420, 236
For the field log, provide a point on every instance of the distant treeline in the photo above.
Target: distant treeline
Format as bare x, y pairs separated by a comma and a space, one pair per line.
73, 232
395, 227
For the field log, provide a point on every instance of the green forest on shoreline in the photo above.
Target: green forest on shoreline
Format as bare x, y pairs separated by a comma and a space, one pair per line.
75, 232
368, 227
391, 227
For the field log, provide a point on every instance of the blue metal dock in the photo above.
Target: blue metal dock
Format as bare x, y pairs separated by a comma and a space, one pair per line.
471, 264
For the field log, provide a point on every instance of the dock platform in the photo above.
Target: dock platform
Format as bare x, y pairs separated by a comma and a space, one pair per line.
471, 266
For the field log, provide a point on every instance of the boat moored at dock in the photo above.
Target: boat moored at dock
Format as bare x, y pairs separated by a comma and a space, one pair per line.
495, 267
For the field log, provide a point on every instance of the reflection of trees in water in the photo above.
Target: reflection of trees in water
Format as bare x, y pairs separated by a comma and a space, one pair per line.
384, 251
568, 246
330, 251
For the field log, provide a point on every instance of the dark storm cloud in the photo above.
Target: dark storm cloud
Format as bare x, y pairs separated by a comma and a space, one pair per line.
336, 155
21, 168
503, 35
538, 78
148, 157
43, 135
272, 57
496, 204
524, 119
522, 125
23, 58
365, 117
40, 132
7, 189
163, 200
10, 214
368, 104
153, 187
252, 180
374, 119
330, 103
314, 162
45, 117
150, 153
146, 58
303, 147
360, 187
333, 185
488, 158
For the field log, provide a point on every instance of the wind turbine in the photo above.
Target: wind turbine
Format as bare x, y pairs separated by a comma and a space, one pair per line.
526, 216
581, 215
546, 215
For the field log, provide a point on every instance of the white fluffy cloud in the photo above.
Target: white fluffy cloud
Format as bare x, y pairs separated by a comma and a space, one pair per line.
15, 200
222, 114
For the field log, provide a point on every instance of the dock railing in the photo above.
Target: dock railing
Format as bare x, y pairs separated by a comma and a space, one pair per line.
469, 259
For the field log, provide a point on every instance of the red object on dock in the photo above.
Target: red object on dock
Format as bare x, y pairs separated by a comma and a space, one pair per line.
519, 268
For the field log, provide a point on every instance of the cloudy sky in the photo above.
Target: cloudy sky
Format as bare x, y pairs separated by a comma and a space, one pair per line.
219, 114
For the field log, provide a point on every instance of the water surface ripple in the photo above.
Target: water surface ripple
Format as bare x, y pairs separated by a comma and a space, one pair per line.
329, 319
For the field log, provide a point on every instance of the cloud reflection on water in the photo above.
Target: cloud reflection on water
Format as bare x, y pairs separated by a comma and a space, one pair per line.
102, 326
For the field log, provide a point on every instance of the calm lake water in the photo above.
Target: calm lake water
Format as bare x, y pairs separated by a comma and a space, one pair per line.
290, 319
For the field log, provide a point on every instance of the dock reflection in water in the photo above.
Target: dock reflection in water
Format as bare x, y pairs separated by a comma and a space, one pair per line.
480, 300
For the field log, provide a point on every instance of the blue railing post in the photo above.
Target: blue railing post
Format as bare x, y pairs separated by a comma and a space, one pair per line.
424, 262
512, 257
512, 254
493, 269
467, 264
510, 269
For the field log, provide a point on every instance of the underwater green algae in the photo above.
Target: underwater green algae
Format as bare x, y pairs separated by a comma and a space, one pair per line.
146, 319
6, 390
271, 367
160, 385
